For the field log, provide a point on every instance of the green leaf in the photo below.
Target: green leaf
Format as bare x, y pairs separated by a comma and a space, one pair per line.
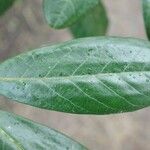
100, 75
146, 14
92, 24
63, 13
5, 5
17, 133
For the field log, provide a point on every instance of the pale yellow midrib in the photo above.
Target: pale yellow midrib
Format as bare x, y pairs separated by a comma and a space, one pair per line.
67, 77
4, 133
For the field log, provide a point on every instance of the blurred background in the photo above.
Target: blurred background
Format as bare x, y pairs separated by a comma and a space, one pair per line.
23, 28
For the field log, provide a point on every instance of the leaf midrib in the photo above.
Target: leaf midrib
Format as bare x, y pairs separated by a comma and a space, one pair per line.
75, 76
11, 139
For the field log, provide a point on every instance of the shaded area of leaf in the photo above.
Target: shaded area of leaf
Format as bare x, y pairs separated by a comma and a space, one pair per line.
17, 133
94, 23
63, 13
146, 14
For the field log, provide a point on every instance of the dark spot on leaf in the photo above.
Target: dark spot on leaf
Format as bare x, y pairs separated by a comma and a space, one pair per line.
67, 148
36, 131
134, 77
89, 71
61, 74
89, 51
24, 84
16, 123
41, 75
36, 55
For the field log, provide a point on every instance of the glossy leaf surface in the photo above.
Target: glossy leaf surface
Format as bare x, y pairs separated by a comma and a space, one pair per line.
63, 13
99, 75
94, 23
146, 13
5, 5
17, 133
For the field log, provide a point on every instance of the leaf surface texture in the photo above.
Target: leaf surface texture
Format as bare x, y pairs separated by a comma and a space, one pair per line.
94, 23
17, 133
99, 75
63, 13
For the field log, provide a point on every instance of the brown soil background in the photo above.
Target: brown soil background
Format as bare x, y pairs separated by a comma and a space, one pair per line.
23, 27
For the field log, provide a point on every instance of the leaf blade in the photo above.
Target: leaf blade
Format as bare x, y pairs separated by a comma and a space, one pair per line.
94, 23
99, 75
5, 5
63, 13
17, 133
146, 15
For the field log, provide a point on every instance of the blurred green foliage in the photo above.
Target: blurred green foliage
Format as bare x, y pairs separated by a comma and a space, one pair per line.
5, 5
